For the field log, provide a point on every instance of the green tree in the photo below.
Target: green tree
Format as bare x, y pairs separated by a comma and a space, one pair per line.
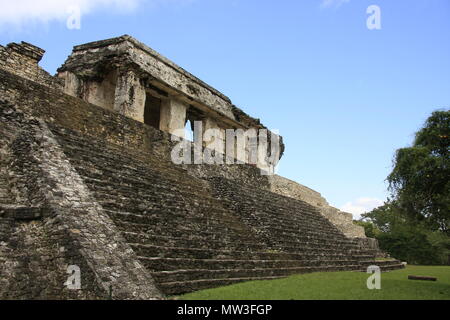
405, 238
420, 180
386, 218
414, 224
370, 230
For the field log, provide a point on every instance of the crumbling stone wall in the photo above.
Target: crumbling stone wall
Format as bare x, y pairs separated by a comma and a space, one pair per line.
22, 59
295, 190
34, 264
342, 220
71, 229
371, 244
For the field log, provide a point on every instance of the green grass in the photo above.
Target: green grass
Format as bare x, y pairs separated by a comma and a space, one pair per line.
337, 285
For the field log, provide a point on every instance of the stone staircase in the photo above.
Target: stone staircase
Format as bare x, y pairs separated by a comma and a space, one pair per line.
193, 234
294, 226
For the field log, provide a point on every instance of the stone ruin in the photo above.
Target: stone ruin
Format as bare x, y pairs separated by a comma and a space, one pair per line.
87, 184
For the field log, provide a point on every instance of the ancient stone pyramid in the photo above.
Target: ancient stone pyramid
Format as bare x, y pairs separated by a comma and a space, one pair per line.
87, 184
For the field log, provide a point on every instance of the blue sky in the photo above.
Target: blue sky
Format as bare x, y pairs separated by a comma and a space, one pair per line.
344, 97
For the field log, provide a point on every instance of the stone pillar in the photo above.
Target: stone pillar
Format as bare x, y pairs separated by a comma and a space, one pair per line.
218, 142
173, 117
130, 96
71, 84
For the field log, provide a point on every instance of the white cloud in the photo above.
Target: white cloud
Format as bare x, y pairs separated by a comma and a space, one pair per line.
18, 12
361, 205
333, 3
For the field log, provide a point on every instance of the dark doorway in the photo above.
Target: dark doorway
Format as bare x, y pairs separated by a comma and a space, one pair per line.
152, 111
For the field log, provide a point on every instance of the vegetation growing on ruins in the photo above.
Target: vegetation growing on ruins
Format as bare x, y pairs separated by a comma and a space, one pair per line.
338, 285
414, 225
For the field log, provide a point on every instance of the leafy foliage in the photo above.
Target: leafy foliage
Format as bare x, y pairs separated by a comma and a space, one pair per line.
404, 238
370, 230
414, 225
420, 180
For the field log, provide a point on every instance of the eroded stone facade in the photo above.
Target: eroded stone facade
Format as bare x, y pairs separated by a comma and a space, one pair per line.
342, 220
22, 59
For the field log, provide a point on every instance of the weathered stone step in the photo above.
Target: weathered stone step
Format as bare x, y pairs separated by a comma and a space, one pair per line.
228, 245
181, 231
120, 167
338, 248
155, 194
172, 288
271, 208
380, 262
158, 240
210, 233
139, 238
262, 197
86, 142
153, 200
180, 287
161, 226
157, 219
204, 274
387, 268
174, 211
172, 264
293, 241
168, 228
279, 235
149, 189
385, 265
144, 180
273, 218
200, 253
262, 202
294, 220
154, 216
289, 232
145, 211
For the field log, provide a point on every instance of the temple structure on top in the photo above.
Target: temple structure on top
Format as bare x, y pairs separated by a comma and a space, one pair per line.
126, 76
